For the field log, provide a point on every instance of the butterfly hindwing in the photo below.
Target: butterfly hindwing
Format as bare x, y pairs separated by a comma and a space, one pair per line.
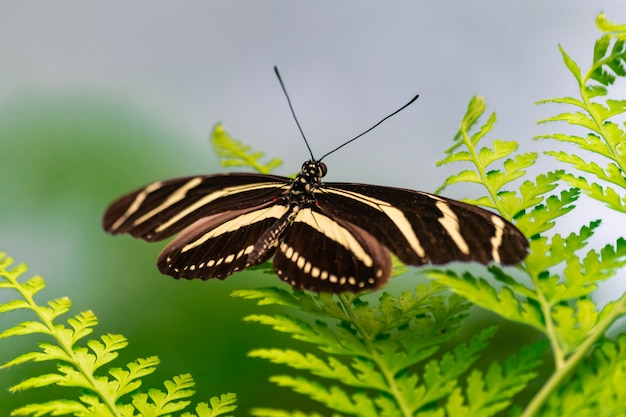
322, 253
164, 208
218, 245
420, 228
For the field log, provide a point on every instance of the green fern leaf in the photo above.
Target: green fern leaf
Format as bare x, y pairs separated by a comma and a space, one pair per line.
610, 28
233, 152
334, 397
77, 365
54, 408
542, 217
334, 369
127, 381
38, 382
219, 406
571, 65
612, 173
105, 350
480, 292
493, 392
596, 388
267, 296
317, 333
606, 195
271, 412
164, 403
24, 328
614, 60
463, 176
499, 149
543, 256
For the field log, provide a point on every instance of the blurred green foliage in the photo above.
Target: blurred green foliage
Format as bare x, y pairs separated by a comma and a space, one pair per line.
64, 158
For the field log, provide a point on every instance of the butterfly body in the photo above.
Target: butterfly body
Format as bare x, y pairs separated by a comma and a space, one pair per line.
323, 236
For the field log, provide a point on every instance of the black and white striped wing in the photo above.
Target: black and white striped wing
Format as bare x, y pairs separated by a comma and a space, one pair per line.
325, 253
164, 208
218, 245
221, 217
424, 228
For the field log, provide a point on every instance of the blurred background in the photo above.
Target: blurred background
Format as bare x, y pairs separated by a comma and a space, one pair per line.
99, 98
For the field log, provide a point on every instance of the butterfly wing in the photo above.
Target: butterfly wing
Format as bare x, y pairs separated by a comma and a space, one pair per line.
420, 228
323, 253
164, 208
220, 244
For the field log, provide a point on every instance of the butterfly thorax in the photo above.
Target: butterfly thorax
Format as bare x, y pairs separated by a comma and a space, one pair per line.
301, 190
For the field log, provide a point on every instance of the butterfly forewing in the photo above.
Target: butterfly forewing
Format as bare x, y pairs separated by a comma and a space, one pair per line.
164, 208
421, 228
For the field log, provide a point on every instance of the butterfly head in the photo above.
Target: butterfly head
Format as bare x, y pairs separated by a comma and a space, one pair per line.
313, 169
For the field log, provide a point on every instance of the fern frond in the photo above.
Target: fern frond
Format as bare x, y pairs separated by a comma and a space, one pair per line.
610, 28
598, 117
77, 365
217, 406
510, 204
487, 394
372, 350
596, 388
233, 152
272, 412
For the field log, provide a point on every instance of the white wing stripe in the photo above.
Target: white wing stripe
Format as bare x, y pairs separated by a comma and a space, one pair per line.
276, 211
172, 199
450, 222
334, 231
203, 201
395, 215
134, 206
496, 240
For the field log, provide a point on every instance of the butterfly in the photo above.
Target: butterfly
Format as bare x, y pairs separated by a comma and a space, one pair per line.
323, 237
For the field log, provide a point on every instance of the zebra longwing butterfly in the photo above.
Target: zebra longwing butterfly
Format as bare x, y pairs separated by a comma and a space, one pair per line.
324, 237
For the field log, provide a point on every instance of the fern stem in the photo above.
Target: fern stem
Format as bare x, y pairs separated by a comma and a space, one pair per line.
594, 115
546, 310
570, 364
67, 348
481, 171
394, 390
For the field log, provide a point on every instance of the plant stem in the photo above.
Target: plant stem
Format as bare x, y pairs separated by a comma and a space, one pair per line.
570, 364
394, 390
483, 174
67, 348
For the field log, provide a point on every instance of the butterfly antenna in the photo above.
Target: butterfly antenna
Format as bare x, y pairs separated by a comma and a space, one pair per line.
371, 128
280, 80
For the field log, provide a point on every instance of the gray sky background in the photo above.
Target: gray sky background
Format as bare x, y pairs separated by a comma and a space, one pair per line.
346, 64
